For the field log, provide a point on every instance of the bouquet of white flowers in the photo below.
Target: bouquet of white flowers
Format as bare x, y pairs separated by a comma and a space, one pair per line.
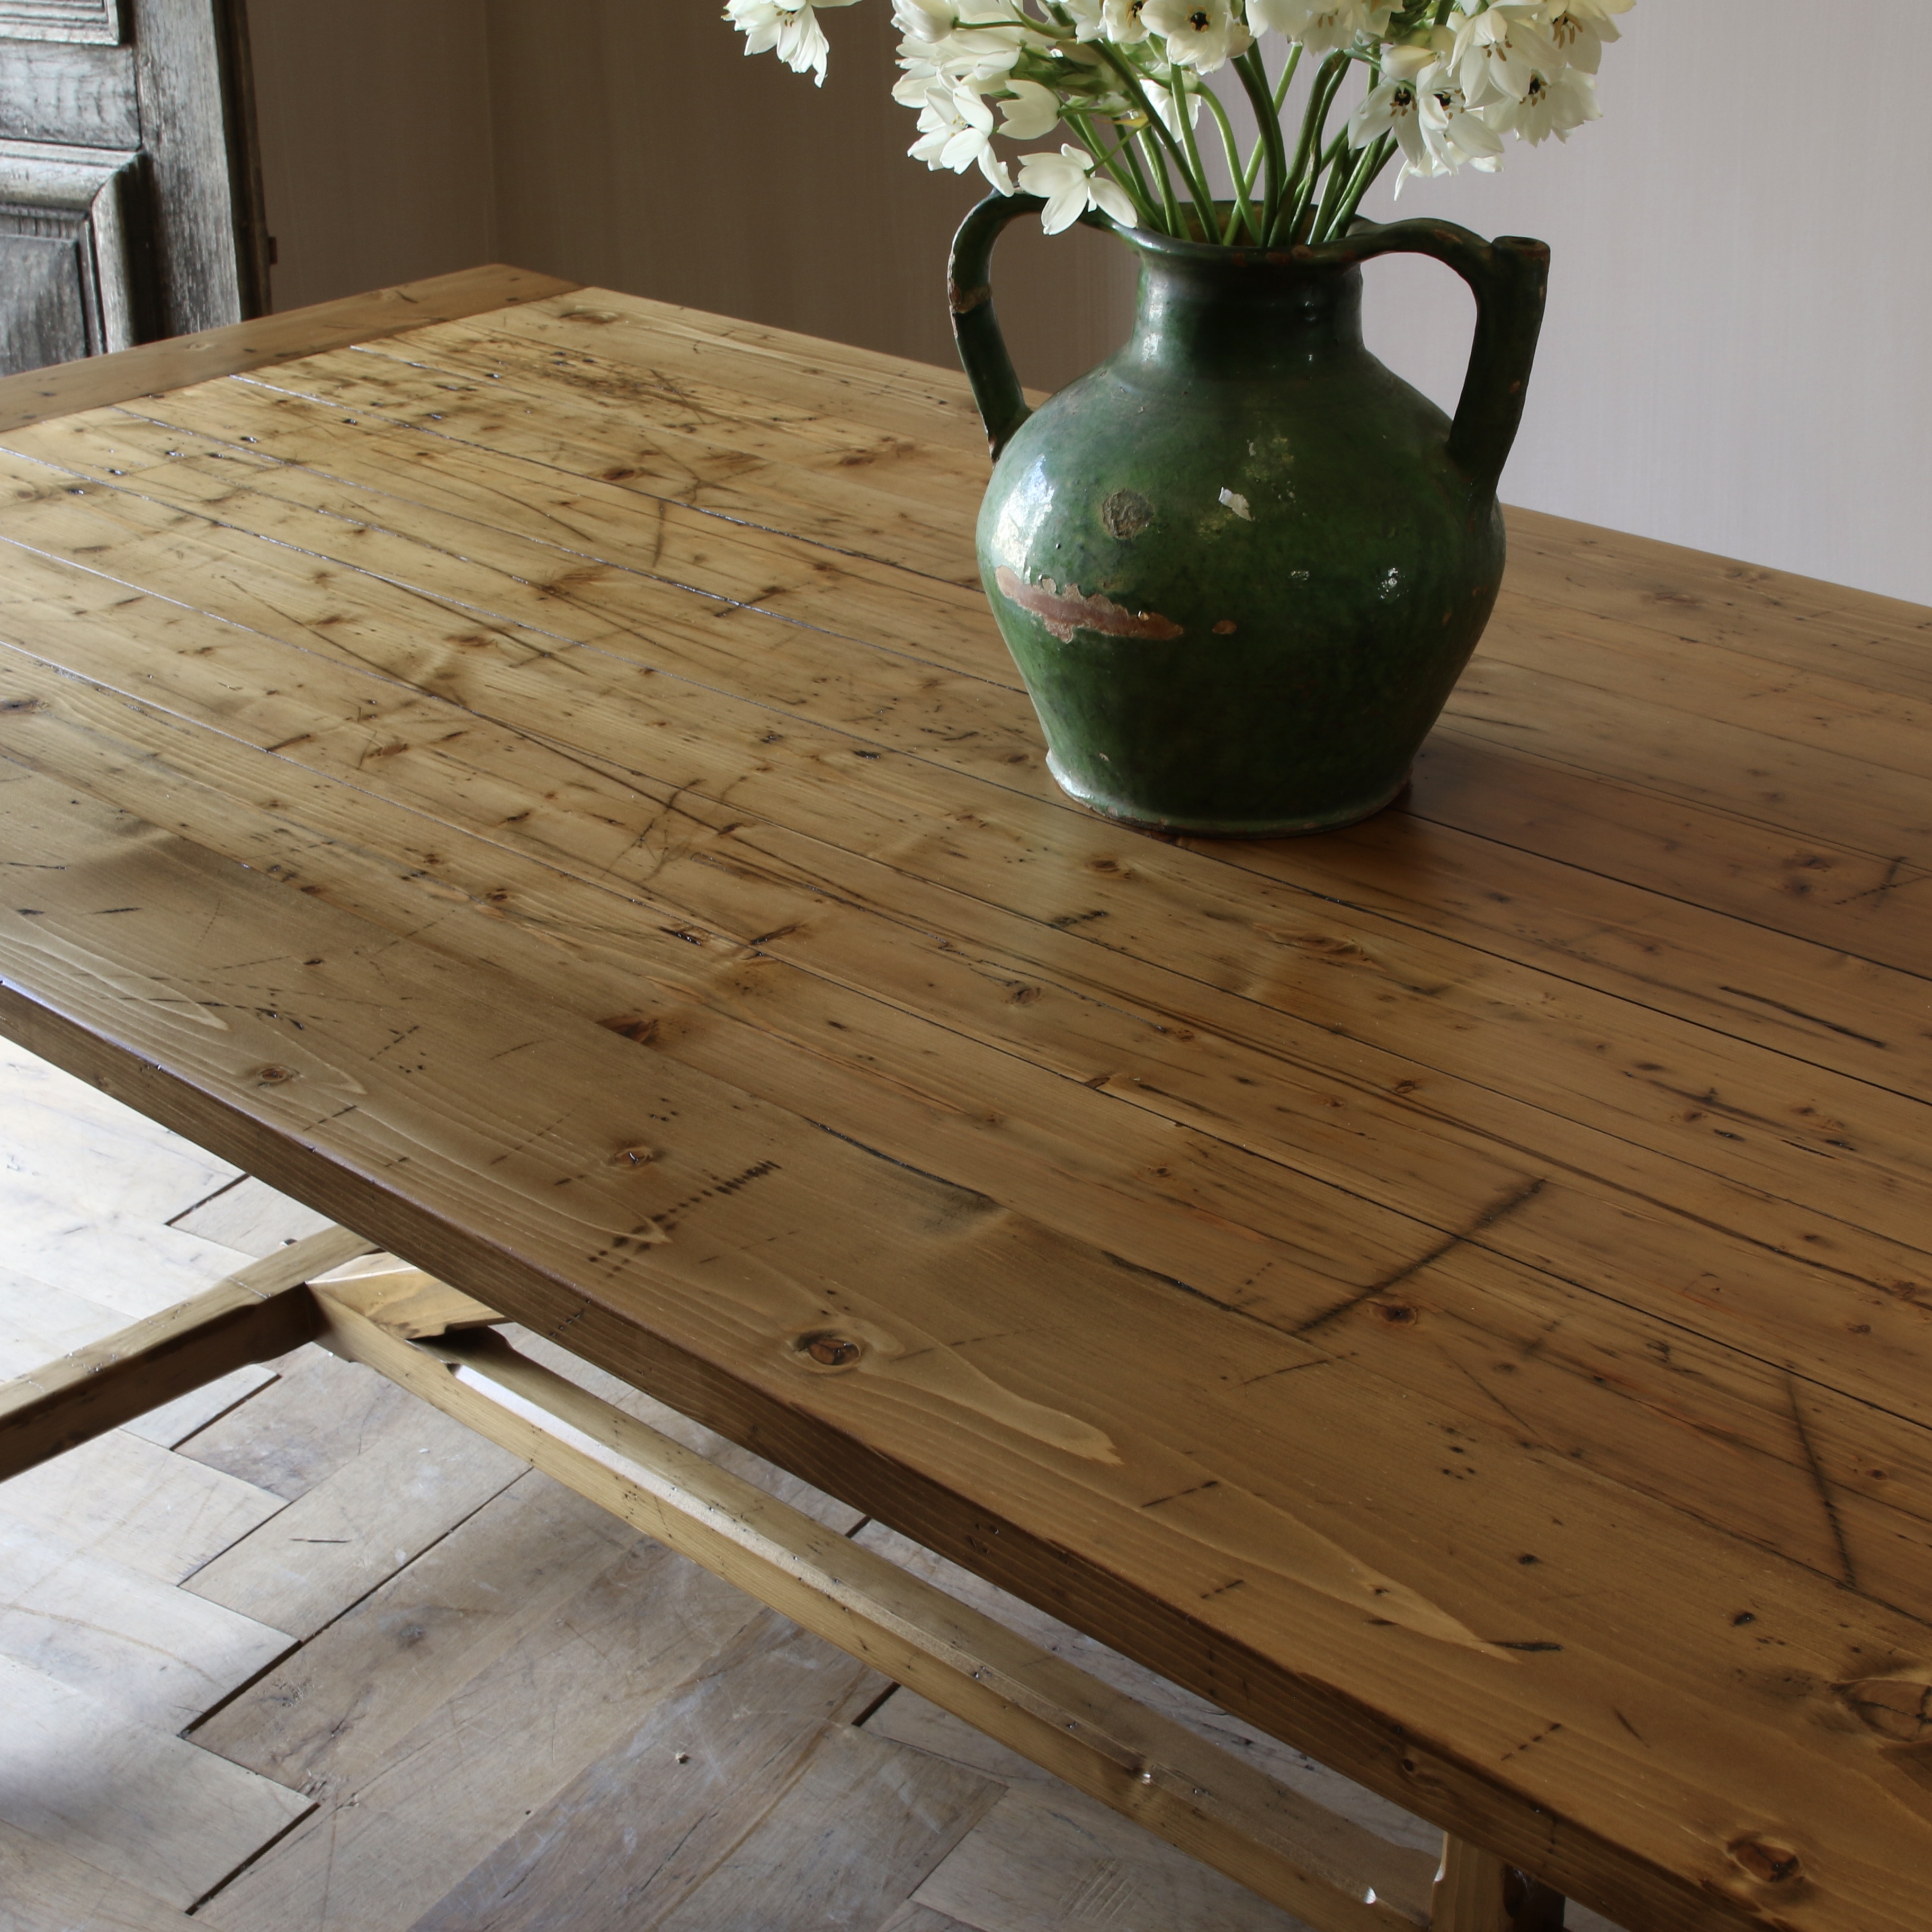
1442, 83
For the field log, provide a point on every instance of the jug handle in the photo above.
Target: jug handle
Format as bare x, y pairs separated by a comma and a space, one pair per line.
1509, 279
975, 327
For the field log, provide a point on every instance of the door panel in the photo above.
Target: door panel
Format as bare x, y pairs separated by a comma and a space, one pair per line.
53, 91
71, 287
76, 20
130, 196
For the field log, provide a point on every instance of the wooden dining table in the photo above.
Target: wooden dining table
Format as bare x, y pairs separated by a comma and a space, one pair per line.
530, 772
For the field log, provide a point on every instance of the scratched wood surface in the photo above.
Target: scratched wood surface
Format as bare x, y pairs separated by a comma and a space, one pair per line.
543, 788
781, 1783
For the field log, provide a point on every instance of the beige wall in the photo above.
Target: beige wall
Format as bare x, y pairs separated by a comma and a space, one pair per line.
630, 143
1735, 357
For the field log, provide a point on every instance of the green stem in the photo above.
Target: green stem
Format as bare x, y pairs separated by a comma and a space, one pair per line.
1307, 208
1287, 76
1197, 178
1254, 78
1158, 161
1312, 123
1144, 194
1159, 130
1239, 214
1111, 161
1378, 158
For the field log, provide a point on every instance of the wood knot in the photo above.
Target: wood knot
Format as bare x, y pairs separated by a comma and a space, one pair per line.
1769, 1865
1897, 1707
273, 1076
830, 1351
1396, 1314
16, 707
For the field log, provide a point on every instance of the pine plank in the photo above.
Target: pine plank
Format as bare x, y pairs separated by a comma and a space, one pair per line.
49, 1890
1512, 1490
357, 1526
1566, 819
1561, 1137
123, 1498
39, 394
1627, 1429
1136, 899
154, 1654
142, 1806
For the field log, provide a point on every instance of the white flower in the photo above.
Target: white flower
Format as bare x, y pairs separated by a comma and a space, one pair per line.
956, 131
1067, 183
966, 59
1033, 110
1456, 136
1123, 22
1578, 30
1394, 108
1555, 104
1203, 34
1089, 17
789, 26
927, 20
1322, 26
1161, 100
1497, 49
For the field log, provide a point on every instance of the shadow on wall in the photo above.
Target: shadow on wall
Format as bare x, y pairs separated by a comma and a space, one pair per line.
630, 143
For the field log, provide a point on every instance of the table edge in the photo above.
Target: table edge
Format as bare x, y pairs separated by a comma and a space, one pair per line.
64, 388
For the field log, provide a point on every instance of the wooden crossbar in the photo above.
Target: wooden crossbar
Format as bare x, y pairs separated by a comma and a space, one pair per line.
256, 1314
433, 1340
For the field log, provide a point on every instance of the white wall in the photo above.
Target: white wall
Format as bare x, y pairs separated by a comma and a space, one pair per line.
1738, 351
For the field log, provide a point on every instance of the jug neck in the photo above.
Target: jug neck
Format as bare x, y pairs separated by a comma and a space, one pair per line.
1241, 312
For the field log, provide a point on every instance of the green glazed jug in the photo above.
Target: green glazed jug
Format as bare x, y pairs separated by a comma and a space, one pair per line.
1241, 564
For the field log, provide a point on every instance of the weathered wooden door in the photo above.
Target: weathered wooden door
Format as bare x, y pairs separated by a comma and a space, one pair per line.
129, 192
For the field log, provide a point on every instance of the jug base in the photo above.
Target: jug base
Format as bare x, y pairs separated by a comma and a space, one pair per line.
1352, 813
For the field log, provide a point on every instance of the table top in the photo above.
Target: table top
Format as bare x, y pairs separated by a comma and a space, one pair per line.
542, 785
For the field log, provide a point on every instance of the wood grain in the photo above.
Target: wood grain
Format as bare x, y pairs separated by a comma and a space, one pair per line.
157, 1655
124, 1498
1123, 1753
49, 1890
1016, 1420
40, 394
1537, 1172
139, 1804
